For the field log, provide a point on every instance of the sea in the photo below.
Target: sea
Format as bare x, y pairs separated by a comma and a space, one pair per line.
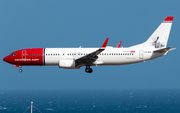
90, 101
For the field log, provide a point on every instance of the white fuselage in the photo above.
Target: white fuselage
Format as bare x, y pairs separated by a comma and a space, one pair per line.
110, 56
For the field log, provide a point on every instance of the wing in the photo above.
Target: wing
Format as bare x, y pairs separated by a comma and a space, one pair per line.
91, 57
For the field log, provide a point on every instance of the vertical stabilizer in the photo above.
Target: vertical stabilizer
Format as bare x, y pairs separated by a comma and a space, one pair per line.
159, 38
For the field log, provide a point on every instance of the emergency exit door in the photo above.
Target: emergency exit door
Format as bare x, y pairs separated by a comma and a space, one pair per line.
141, 54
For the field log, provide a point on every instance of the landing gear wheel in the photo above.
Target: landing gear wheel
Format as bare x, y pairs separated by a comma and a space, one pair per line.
91, 70
88, 70
20, 70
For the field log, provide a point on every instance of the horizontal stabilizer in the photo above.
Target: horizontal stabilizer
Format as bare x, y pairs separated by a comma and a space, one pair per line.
163, 50
172, 49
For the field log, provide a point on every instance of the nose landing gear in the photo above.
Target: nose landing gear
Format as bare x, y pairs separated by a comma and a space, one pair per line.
88, 69
20, 70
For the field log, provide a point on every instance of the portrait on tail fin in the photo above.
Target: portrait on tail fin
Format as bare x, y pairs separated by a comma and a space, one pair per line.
157, 44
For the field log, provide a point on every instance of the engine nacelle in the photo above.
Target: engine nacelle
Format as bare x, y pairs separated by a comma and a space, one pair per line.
68, 64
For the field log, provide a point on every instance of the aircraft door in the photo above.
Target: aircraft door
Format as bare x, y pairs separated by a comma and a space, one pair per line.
141, 54
24, 54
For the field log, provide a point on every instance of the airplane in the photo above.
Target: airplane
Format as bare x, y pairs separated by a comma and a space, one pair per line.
74, 58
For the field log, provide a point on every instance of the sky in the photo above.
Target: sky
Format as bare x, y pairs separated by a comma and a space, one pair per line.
87, 23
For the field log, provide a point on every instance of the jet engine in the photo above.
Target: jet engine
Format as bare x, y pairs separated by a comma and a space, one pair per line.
68, 64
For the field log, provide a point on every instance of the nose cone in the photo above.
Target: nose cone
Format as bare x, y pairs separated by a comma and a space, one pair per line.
5, 59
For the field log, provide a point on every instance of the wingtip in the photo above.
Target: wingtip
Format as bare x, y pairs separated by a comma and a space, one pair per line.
118, 46
169, 18
105, 43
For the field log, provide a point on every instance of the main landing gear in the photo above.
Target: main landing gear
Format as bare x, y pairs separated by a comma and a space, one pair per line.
88, 69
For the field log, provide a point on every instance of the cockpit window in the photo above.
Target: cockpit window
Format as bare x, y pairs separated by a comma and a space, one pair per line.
13, 54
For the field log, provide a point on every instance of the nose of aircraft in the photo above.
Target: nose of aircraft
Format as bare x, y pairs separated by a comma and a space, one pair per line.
5, 59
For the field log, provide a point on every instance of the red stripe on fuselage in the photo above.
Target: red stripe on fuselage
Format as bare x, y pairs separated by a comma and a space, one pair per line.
26, 57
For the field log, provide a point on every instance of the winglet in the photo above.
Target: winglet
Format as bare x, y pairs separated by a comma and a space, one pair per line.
118, 46
105, 43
